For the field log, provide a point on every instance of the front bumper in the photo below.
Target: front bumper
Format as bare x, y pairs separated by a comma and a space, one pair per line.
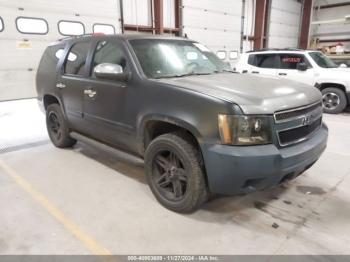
242, 169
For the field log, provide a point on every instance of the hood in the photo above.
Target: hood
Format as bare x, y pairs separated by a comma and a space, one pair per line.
254, 94
336, 75
341, 70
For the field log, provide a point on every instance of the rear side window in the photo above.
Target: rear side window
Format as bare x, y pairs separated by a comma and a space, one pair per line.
76, 59
32, 25
266, 61
104, 28
71, 28
108, 52
290, 61
49, 60
1, 24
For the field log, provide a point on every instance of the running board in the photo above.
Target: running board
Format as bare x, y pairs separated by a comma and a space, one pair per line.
100, 145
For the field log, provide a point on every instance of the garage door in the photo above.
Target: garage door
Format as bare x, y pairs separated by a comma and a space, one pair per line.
217, 24
285, 17
26, 28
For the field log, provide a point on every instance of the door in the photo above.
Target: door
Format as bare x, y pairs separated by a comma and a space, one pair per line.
263, 64
288, 68
105, 100
72, 82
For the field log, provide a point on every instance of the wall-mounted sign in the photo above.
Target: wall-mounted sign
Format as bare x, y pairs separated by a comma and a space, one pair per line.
24, 45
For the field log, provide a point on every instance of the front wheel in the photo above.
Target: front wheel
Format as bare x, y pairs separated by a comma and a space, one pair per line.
174, 173
334, 100
57, 127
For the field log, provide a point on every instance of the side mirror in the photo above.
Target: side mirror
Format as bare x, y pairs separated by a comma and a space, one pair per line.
302, 67
343, 65
110, 71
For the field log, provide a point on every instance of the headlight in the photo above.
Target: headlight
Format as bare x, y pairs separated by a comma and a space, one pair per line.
245, 130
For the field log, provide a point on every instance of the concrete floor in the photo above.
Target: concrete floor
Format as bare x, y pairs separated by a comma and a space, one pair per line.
85, 200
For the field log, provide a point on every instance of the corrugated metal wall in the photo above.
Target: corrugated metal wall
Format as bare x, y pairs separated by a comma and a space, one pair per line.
20, 53
284, 26
217, 24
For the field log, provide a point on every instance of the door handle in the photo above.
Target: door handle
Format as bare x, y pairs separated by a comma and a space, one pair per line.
60, 85
282, 74
255, 72
89, 92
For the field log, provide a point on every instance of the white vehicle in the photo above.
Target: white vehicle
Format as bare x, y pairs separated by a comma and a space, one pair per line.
307, 66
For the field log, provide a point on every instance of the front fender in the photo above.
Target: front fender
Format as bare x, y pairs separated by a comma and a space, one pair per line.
143, 120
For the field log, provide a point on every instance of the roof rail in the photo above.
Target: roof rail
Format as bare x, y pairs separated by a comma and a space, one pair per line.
79, 36
276, 49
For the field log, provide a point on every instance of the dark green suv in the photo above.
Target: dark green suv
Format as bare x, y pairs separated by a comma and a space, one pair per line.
200, 127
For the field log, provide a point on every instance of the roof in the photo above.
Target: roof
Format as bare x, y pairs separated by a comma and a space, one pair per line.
280, 50
125, 36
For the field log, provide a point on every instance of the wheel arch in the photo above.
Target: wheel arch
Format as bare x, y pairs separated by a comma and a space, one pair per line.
322, 86
153, 126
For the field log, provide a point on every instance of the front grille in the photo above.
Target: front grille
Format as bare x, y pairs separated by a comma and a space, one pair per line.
298, 134
294, 113
298, 124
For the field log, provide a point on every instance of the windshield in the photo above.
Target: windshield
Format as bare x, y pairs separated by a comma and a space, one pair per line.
162, 58
322, 60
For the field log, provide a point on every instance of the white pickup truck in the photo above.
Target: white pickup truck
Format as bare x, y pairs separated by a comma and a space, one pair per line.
307, 66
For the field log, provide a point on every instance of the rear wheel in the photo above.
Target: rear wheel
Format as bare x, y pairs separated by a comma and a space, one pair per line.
57, 127
334, 100
174, 173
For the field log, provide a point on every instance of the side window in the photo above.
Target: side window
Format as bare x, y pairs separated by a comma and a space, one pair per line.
104, 28
76, 59
32, 25
221, 55
71, 28
1, 24
290, 61
266, 61
252, 60
108, 52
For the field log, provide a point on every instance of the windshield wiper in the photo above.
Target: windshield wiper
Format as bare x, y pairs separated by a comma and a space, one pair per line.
183, 75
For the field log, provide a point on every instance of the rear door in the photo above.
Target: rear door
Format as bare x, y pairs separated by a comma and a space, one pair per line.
72, 81
263, 64
288, 68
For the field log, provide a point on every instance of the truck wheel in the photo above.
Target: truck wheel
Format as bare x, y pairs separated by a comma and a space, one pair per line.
57, 127
174, 173
334, 100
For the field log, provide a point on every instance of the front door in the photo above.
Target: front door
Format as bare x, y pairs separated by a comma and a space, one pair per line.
288, 69
105, 100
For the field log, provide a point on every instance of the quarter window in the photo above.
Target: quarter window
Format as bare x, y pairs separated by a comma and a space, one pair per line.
103, 28
1, 24
32, 25
108, 52
76, 66
233, 55
221, 54
71, 28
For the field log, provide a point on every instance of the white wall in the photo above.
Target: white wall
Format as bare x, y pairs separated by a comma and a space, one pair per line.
284, 26
21, 53
217, 24
137, 12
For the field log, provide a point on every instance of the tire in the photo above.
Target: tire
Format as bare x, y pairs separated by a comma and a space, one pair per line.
334, 100
57, 127
169, 185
